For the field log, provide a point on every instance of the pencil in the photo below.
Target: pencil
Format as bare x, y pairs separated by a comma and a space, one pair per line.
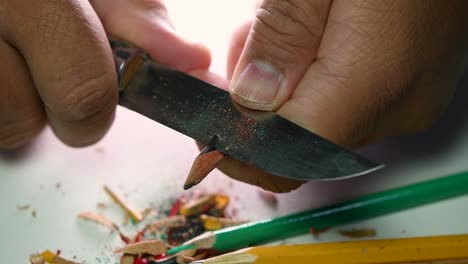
436, 249
354, 210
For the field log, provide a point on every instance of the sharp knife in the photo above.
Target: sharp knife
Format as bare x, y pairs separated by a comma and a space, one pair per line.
207, 114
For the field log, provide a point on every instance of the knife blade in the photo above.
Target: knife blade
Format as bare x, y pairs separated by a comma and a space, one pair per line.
208, 114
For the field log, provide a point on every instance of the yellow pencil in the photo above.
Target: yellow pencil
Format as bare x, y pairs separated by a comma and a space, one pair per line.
448, 249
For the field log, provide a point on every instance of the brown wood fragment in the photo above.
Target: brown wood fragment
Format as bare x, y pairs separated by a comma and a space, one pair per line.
203, 164
99, 219
153, 247
134, 214
23, 207
358, 233
34, 213
196, 206
148, 212
127, 259
167, 222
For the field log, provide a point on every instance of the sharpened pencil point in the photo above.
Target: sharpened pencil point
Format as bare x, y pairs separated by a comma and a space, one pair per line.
204, 163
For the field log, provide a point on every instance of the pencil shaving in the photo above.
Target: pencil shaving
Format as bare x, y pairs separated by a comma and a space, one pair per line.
358, 233
127, 259
53, 258
36, 259
153, 247
197, 206
23, 207
99, 219
215, 223
168, 222
134, 214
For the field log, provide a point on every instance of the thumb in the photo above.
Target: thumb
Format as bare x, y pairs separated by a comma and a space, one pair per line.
280, 47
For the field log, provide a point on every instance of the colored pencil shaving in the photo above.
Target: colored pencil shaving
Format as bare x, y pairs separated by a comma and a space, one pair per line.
198, 205
436, 249
204, 163
167, 222
49, 257
134, 214
215, 223
152, 247
99, 219
369, 206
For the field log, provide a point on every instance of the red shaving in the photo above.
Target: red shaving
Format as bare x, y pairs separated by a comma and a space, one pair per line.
160, 256
140, 261
139, 236
176, 207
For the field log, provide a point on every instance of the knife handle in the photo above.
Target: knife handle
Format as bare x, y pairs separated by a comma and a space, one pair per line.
128, 61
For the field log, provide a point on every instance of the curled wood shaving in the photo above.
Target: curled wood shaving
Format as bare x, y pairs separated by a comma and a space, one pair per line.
168, 222
99, 219
123, 204
153, 247
358, 233
196, 206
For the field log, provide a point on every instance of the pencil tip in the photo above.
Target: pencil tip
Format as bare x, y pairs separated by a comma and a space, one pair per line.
189, 185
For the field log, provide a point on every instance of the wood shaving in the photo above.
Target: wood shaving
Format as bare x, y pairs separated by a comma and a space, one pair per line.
34, 213
215, 223
52, 258
196, 206
358, 233
99, 219
134, 214
153, 247
148, 212
36, 259
168, 222
23, 207
101, 206
127, 259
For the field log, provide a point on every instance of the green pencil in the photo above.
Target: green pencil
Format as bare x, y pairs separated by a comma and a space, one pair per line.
365, 207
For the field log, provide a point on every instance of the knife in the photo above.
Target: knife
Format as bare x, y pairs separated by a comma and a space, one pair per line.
208, 114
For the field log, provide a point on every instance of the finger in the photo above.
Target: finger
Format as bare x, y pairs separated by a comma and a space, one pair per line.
368, 81
21, 113
281, 46
71, 64
252, 175
236, 46
146, 24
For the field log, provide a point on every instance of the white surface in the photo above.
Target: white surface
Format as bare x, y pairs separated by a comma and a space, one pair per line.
150, 162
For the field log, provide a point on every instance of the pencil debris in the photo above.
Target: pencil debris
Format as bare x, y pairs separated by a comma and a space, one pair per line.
358, 233
23, 207
99, 219
184, 218
134, 214
152, 247
50, 258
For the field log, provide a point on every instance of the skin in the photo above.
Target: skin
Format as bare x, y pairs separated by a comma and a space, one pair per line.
58, 67
352, 71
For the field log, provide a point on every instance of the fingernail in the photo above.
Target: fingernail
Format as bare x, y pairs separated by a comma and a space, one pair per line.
258, 84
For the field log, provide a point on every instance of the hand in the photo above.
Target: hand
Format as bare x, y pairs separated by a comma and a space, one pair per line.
351, 71
57, 66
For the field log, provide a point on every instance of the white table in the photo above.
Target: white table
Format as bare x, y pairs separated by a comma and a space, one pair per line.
149, 162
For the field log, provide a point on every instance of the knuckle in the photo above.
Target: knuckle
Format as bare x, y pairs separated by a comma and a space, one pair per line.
89, 94
17, 133
288, 28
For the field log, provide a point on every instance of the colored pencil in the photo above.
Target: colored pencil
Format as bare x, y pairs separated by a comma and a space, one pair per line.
354, 210
435, 249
